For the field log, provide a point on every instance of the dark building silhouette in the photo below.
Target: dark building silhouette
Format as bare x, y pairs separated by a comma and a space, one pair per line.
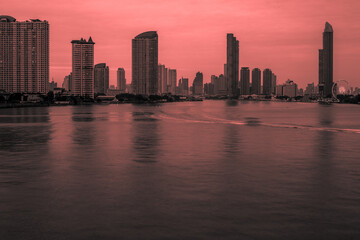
101, 78
273, 83
209, 89
232, 65
197, 88
267, 82
24, 55
162, 79
245, 81
145, 63
326, 62
67, 82
184, 86
256, 81
121, 80
172, 76
83, 67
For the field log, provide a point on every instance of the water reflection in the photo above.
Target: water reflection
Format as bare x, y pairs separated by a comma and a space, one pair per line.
21, 137
145, 136
82, 117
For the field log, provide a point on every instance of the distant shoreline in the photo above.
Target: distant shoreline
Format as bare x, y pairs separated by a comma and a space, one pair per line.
26, 105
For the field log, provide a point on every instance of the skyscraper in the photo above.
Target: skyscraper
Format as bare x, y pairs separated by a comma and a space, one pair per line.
24, 55
256, 81
121, 80
184, 86
101, 78
145, 63
245, 81
267, 82
67, 82
162, 79
326, 62
198, 84
172, 81
273, 83
83, 68
232, 65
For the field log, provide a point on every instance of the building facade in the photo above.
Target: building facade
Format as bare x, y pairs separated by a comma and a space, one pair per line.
197, 88
101, 78
245, 81
83, 68
232, 65
256, 81
121, 80
24, 55
326, 62
267, 82
145, 64
67, 82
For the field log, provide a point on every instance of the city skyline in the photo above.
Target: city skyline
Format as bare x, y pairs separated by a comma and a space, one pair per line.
281, 39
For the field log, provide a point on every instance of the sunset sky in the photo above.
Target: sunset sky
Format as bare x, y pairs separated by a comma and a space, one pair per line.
283, 35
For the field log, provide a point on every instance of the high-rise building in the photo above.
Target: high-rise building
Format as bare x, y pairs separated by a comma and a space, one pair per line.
273, 83
184, 86
121, 80
245, 81
172, 81
67, 82
145, 63
24, 55
289, 89
209, 89
256, 81
267, 82
310, 89
232, 65
162, 79
198, 84
326, 62
83, 68
101, 78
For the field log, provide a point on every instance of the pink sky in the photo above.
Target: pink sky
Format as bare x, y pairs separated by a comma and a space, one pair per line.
283, 35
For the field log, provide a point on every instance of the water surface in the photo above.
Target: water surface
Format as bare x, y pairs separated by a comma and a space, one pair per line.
190, 170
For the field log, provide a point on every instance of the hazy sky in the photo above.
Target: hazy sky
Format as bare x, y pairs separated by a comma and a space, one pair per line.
283, 35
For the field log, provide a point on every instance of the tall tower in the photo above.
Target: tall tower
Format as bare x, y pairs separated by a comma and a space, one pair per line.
232, 65
256, 81
83, 68
145, 63
172, 80
326, 62
101, 78
121, 80
267, 82
198, 85
24, 55
245, 81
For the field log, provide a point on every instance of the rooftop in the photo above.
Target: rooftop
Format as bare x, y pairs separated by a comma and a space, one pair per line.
328, 27
83, 41
148, 35
6, 18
